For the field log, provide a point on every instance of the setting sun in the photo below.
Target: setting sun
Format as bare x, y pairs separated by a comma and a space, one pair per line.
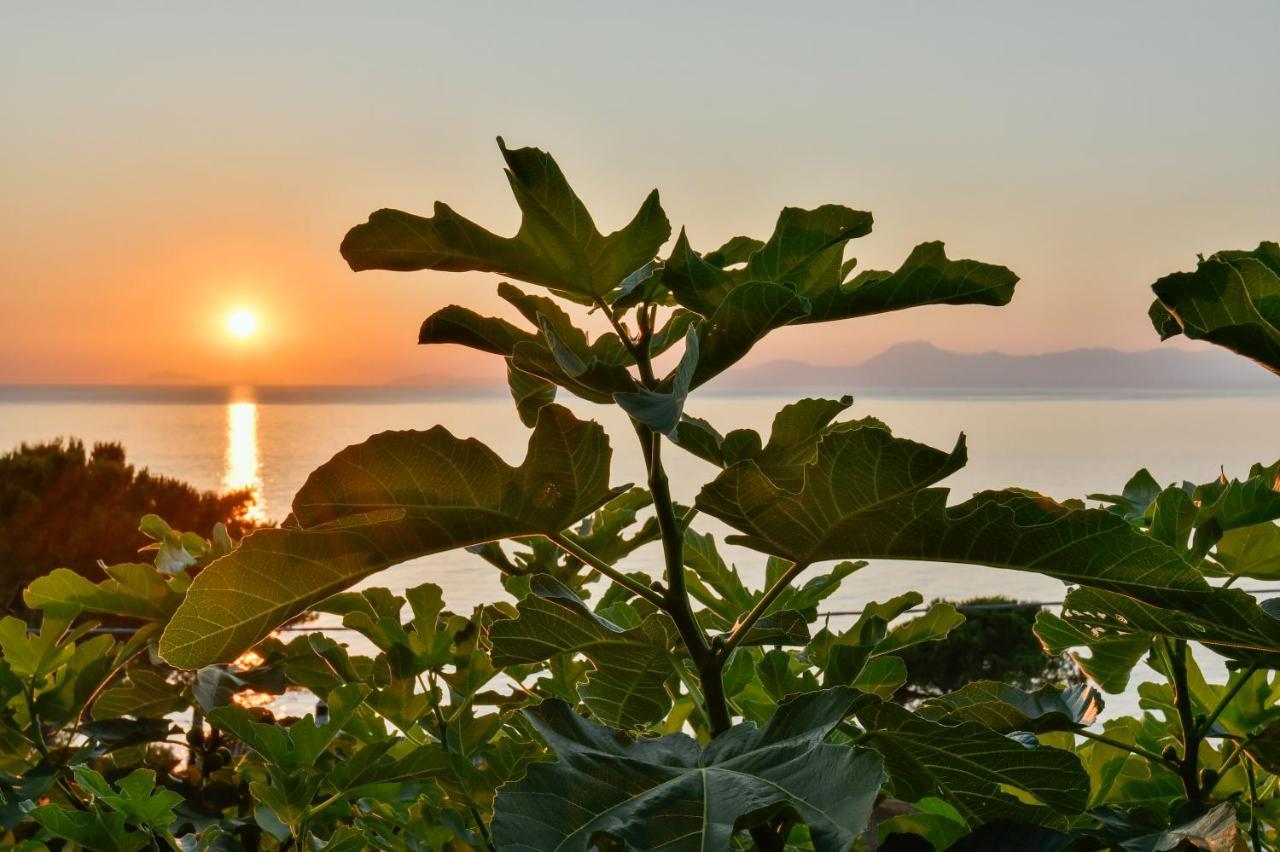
242, 323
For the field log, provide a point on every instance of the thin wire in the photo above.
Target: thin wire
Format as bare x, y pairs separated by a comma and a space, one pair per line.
827, 614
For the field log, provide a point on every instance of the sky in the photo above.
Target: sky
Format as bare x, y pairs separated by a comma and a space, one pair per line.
165, 164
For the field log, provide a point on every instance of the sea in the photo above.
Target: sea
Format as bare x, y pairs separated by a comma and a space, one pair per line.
1061, 445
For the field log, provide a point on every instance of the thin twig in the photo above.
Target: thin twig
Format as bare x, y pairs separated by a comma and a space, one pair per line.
585, 556
1225, 700
1133, 749
748, 621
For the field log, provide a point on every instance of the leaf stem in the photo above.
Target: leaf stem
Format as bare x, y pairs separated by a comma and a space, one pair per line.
1225, 700
1133, 749
746, 622
585, 556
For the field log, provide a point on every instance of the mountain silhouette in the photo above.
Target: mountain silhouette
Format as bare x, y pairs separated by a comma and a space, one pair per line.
923, 366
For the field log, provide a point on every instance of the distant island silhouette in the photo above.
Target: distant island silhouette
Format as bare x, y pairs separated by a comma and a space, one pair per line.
921, 366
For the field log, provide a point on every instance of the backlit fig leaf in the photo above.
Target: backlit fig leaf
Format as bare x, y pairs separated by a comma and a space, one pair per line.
397, 496
1139, 493
455, 324
1231, 299
742, 319
696, 284
799, 276
968, 765
628, 686
793, 439
806, 248
926, 277
1228, 621
861, 654
1252, 551
1111, 658
1005, 708
557, 354
737, 250
557, 245
131, 589
530, 393
1232, 504
866, 496
669, 793
144, 694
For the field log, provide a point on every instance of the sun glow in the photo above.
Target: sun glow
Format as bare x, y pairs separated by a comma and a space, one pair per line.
242, 323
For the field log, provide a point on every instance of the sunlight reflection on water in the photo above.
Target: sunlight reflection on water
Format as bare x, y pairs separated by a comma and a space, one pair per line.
242, 468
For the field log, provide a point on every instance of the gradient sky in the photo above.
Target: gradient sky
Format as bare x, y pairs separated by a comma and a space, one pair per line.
164, 163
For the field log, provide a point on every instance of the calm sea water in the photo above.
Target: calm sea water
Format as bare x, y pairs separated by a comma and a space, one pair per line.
1063, 447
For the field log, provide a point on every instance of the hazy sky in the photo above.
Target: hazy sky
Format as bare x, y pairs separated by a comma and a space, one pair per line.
164, 163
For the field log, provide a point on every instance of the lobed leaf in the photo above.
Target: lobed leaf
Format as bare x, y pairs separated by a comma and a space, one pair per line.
1232, 299
627, 687
669, 793
557, 245
395, 497
968, 765
866, 495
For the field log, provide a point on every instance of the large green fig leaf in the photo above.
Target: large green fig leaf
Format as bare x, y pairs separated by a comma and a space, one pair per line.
865, 496
628, 686
1005, 708
792, 445
1231, 299
1111, 657
1252, 551
669, 793
968, 764
799, 275
131, 589
1229, 621
557, 245
397, 496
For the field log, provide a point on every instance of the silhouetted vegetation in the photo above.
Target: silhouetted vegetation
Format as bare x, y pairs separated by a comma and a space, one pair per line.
62, 506
991, 644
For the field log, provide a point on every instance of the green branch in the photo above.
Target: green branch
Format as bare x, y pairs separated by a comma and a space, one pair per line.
746, 622
1231, 693
585, 556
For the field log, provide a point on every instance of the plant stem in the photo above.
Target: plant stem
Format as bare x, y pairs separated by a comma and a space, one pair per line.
676, 600
1134, 749
442, 728
585, 556
1176, 656
745, 623
1254, 833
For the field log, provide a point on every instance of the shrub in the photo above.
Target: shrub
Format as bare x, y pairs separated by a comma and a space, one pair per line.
61, 506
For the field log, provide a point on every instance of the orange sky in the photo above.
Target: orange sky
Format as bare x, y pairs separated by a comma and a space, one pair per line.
162, 167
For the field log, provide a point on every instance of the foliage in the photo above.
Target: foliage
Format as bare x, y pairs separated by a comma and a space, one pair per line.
994, 642
605, 707
63, 507
1231, 299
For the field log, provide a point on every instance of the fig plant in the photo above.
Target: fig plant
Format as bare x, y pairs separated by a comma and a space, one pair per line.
818, 489
606, 707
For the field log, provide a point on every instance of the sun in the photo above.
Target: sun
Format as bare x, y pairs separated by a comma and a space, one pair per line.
242, 323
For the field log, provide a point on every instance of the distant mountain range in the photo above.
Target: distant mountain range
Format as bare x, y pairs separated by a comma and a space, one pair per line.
925, 367
907, 368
